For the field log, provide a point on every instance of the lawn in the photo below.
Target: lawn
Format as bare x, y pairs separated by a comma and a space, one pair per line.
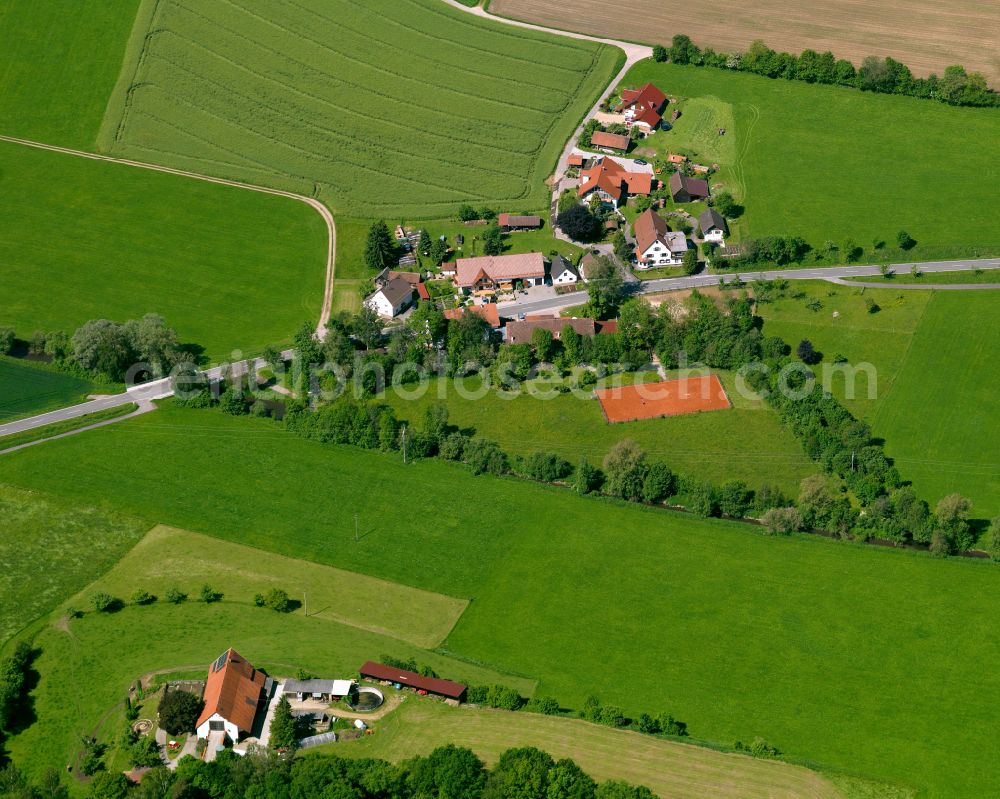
60, 62
841, 325
936, 386
404, 113
171, 558
934, 278
939, 419
227, 268
28, 388
746, 442
50, 549
832, 651
800, 173
667, 768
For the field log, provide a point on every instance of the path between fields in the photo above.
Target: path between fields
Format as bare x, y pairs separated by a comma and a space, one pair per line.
316, 205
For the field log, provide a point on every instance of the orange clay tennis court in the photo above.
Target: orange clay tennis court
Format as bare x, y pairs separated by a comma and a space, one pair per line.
666, 398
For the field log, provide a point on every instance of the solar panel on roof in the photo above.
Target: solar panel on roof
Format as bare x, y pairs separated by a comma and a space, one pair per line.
220, 661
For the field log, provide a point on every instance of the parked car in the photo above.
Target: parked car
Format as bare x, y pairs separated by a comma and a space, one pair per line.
640, 162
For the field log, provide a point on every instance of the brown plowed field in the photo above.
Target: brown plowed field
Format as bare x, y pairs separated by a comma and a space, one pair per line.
926, 35
666, 398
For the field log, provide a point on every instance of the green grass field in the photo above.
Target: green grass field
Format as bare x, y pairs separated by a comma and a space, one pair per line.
936, 387
403, 113
227, 268
799, 167
28, 388
703, 612
667, 768
60, 62
746, 442
51, 549
170, 558
934, 278
939, 419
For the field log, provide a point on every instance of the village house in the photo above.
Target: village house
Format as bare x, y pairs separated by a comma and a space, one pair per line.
655, 245
234, 693
713, 226
643, 106
512, 222
499, 272
684, 189
608, 142
613, 183
563, 272
576, 160
520, 332
392, 298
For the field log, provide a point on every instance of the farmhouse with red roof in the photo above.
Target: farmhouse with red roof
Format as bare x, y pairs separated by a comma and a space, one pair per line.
643, 106
491, 272
613, 183
234, 691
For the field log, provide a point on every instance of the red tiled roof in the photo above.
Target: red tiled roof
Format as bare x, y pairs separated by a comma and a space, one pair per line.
433, 685
613, 178
607, 326
648, 102
576, 160
520, 332
649, 227
232, 690
422, 292
499, 267
487, 310
413, 278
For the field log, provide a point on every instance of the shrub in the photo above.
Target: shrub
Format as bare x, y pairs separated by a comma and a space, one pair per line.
545, 705
626, 468
277, 600
588, 478
7, 338
782, 521
905, 241
179, 711
806, 352
612, 716
735, 498
758, 748
579, 224
209, 594
660, 53
141, 597
452, 446
659, 484
105, 603
175, 596
546, 467
485, 457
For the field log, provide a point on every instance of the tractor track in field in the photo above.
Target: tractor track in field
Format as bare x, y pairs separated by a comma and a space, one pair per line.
313, 203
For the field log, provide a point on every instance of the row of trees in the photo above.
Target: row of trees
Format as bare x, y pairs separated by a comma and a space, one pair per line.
884, 75
104, 347
449, 772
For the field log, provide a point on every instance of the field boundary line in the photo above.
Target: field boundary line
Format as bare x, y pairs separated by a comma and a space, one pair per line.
313, 203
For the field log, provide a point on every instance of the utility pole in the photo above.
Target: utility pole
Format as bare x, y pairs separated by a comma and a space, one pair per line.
404, 445
305, 602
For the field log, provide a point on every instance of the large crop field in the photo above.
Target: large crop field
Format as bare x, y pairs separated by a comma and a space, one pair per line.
798, 168
60, 62
409, 110
81, 239
746, 442
924, 34
935, 387
702, 610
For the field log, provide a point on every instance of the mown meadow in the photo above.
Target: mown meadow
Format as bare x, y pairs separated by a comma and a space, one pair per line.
646, 608
27, 388
832, 164
405, 111
227, 268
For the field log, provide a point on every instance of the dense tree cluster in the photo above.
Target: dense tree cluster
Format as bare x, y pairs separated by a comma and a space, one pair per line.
104, 347
887, 76
449, 772
179, 711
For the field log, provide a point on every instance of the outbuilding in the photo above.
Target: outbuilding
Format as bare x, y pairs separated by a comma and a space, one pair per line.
410, 679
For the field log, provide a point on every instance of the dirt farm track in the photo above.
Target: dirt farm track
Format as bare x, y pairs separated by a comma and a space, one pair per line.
926, 35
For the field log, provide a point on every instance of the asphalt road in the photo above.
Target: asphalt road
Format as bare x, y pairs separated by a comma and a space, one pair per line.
831, 273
